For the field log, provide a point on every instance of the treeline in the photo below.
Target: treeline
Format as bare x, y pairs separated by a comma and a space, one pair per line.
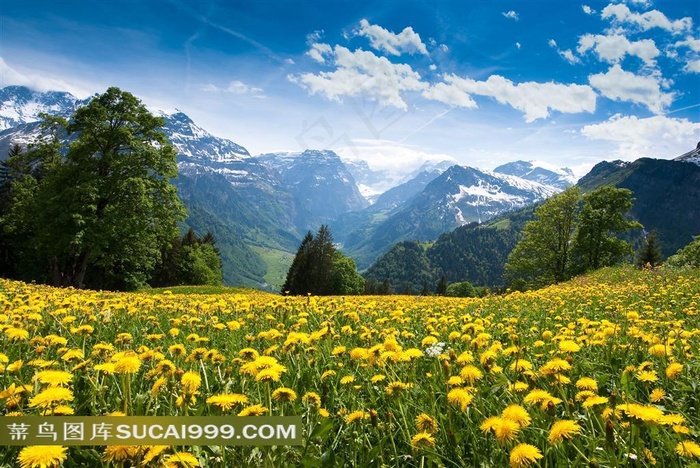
320, 269
90, 204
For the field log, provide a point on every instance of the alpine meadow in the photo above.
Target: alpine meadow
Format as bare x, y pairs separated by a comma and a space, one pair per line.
264, 233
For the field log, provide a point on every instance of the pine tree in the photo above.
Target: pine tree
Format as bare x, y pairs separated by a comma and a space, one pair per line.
650, 252
441, 287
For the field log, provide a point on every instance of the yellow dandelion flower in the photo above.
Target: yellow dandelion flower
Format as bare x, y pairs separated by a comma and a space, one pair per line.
674, 370
396, 388
422, 439
107, 368
182, 460
521, 365
563, 429
73, 355
191, 381
587, 383
471, 374
647, 376
326, 374
688, 449
62, 410
16, 334
454, 381
120, 453
460, 397
425, 423
356, 416
505, 430
523, 455
253, 410
153, 452
226, 401
555, 366
568, 346
650, 414
659, 350
311, 398
490, 424
284, 394
51, 396
127, 365
518, 414
594, 401
377, 378
348, 379
177, 350
42, 456
657, 395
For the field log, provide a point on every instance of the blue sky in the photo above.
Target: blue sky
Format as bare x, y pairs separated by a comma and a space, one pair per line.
393, 82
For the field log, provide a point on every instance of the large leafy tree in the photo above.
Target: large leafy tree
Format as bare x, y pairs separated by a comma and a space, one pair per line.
542, 255
102, 214
601, 220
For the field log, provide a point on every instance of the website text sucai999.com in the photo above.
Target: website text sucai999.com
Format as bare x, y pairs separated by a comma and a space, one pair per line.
151, 430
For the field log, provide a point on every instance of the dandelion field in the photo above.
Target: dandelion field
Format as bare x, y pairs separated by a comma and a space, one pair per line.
600, 371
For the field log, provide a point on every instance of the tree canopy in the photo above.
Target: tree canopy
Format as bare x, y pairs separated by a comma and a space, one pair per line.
566, 238
91, 203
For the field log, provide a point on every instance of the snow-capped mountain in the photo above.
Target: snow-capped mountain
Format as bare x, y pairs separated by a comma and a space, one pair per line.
20, 105
692, 156
458, 196
193, 143
319, 180
539, 172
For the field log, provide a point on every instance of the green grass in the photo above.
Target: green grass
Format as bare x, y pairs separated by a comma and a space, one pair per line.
204, 289
277, 263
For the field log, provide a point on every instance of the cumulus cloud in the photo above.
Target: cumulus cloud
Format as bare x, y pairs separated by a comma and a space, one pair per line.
407, 41
588, 10
235, 87
613, 48
658, 136
692, 66
620, 13
511, 15
535, 100
318, 52
620, 85
362, 73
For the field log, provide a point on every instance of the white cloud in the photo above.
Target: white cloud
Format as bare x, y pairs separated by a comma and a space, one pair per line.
587, 10
518, 45
432, 67
658, 136
690, 42
407, 41
535, 100
289, 61
10, 76
235, 87
315, 36
398, 158
692, 66
620, 85
567, 54
614, 47
318, 50
621, 13
362, 73
511, 15
444, 48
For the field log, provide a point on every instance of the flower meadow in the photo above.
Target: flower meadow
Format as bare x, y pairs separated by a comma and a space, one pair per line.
600, 371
